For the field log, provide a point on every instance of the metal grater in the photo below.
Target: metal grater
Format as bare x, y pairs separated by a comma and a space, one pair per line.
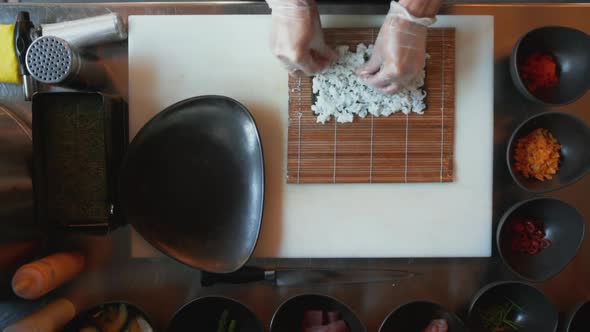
52, 60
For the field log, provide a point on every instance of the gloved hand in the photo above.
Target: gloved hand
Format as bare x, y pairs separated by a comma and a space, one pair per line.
399, 53
297, 38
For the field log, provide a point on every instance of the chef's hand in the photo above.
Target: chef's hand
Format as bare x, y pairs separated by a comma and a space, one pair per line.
297, 38
400, 49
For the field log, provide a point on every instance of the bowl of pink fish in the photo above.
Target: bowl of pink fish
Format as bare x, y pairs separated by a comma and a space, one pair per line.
422, 316
315, 313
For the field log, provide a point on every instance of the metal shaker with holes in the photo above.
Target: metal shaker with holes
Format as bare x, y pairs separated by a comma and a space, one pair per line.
52, 60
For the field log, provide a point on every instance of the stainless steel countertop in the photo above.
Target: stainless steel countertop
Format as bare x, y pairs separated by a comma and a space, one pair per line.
160, 285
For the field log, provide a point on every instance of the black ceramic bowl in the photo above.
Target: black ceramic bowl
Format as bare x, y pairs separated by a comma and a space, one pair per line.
563, 225
573, 136
126, 315
289, 316
534, 313
579, 319
415, 317
203, 314
571, 50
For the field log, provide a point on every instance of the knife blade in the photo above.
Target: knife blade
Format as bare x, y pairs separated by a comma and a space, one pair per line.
305, 277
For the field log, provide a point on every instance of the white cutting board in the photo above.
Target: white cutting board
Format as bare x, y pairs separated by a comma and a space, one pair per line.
176, 57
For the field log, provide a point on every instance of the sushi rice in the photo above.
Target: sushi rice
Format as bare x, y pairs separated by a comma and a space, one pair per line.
341, 94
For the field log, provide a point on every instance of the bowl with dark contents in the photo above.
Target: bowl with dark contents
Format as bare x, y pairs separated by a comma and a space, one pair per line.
112, 316
422, 316
315, 313
511, 306
578, 320
551, 65
549, 151
538, 238
215, 314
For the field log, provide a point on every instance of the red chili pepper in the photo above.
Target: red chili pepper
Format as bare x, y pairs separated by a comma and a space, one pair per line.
533, 250
518, 227
528, 237
530, 227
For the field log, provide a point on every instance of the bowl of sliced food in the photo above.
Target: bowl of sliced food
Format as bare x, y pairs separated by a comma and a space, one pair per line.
551, 65
315, 313
112, 316
511, 306
421, 316
216, 314
537, 238
578, 320
549, 151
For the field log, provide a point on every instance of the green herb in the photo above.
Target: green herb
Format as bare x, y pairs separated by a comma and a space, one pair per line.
222, 323
496, 318
232, 326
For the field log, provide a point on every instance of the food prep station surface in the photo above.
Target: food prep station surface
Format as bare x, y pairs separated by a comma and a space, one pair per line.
160, 285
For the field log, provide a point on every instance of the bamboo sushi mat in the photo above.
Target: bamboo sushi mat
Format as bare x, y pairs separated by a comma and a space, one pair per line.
398, 148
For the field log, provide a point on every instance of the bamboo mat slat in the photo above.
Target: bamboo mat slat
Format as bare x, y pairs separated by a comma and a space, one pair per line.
398, 148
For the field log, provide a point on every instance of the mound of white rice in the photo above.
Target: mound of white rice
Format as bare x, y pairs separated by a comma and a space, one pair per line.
340, 93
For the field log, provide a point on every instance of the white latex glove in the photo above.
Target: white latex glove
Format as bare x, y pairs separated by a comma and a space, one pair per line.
297, 38
400, 51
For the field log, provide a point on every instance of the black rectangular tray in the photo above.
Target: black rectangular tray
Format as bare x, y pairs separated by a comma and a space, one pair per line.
79, 140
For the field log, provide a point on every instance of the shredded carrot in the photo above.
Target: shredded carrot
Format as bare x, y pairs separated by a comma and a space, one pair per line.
537, 155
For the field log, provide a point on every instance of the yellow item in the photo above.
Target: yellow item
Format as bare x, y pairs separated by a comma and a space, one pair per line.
8, 62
